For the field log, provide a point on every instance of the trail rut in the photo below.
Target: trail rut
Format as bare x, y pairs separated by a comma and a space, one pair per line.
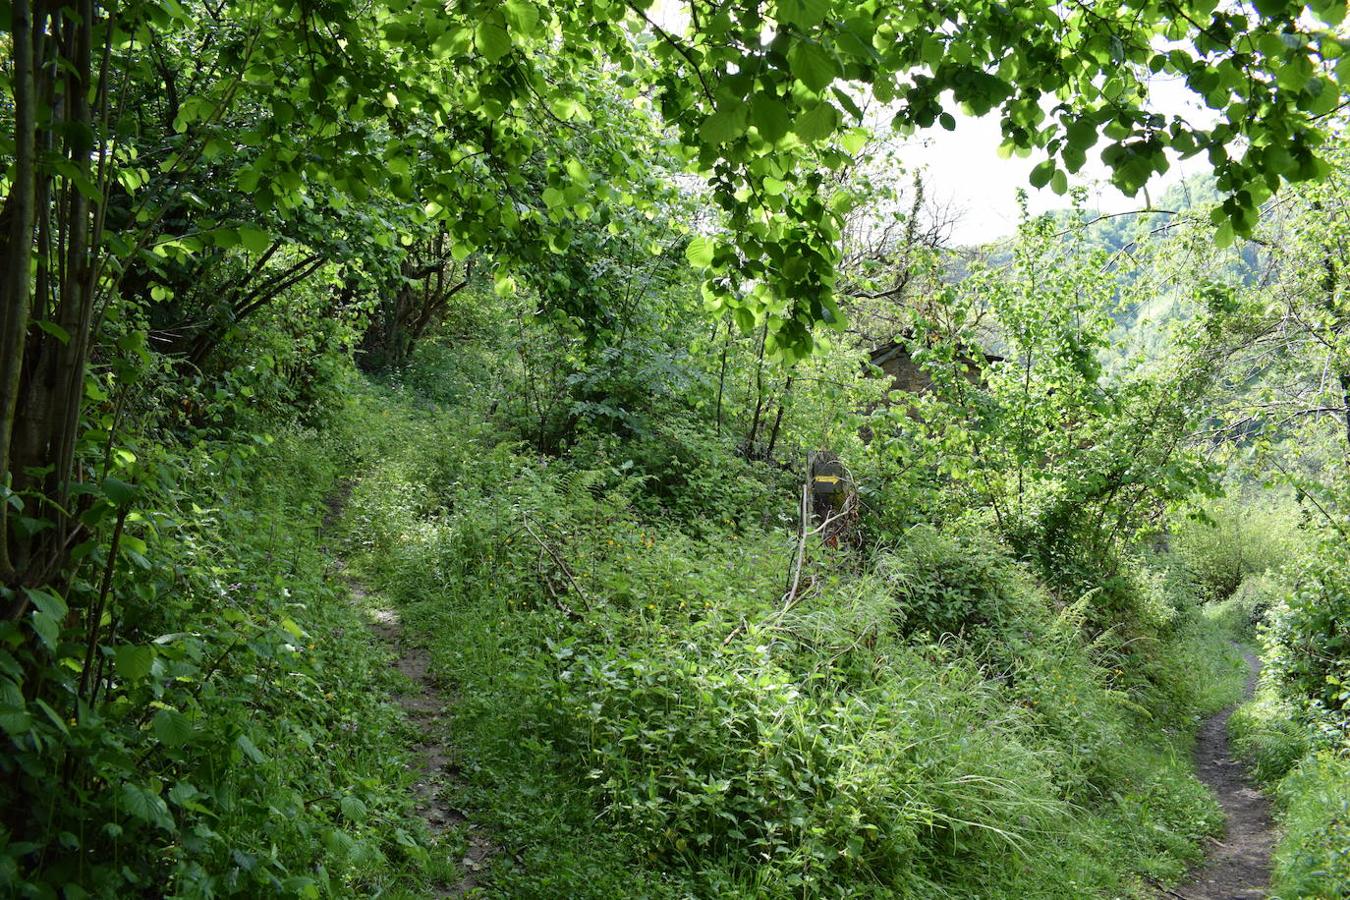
424, 705
1238, 865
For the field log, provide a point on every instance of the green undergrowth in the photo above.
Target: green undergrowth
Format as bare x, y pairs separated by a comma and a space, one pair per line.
246, 747
1298, 750
639, 712
1309, 777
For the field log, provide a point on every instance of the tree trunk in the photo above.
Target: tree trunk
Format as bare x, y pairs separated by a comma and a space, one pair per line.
778, 419
759, 394
17, 252
44, 427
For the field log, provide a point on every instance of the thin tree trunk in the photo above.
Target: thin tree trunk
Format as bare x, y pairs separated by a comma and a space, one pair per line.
759, 393
18, 249
1345, 401
722, 377
778, 419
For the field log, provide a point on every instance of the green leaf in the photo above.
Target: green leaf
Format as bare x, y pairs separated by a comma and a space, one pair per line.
49, 610
47, 602
700, 252
118, 491
1041, 175
254, 239
812, 65
15, 722
726, 124
47, 629
14, 717
770, 116
172, 727
491, 37
353, 808
854, 140
54, 330
817, 123
294, 630
134, 661
249, 749
1223, 235
805, 14
146, 806
523, 17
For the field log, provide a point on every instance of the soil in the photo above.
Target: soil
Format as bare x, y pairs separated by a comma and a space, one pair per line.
424, 705
1238, 866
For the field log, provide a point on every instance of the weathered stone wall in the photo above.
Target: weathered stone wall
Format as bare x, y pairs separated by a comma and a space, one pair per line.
907, 375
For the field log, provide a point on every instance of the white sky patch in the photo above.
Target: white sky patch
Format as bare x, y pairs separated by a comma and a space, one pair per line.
963, 171
962, 168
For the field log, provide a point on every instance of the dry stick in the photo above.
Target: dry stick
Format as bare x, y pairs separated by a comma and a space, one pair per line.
1168, 891
801, 544
794, 579
565, 570
96, 617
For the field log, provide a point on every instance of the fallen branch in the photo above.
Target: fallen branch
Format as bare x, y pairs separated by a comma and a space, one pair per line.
571, 579
1165, 890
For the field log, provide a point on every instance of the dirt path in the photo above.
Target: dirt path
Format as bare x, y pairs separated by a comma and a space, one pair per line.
1238, 866
424, 704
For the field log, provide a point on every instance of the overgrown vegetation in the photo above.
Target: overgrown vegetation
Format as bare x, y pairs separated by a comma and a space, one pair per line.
919, 720
533, 317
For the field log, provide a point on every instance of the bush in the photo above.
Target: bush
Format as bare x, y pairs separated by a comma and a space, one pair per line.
950, 585
1248, 609
1313, 859
1225, 541
1309, 633
1269, 734
726, 755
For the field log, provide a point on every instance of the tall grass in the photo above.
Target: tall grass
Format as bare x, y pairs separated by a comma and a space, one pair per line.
640, 711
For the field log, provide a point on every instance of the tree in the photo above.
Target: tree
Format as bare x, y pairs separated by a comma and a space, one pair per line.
453, 112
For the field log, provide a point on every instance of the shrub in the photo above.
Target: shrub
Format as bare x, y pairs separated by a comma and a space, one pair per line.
1313, 859
1269, 734
1309, 632
1224, 541
950, 585
725, 755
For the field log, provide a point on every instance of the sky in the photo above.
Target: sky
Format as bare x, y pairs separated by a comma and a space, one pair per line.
964, 172
962, 168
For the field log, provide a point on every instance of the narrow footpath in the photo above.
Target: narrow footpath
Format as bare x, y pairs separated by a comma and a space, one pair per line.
424, 705
1238, 866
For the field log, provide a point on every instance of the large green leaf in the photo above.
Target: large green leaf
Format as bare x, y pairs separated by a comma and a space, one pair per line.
817, 123
134, 661
491, 37
727, 123
172, 727
812, 65
770, 116
700, 252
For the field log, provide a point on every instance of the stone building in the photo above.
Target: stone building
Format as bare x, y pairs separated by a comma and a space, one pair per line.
906, 375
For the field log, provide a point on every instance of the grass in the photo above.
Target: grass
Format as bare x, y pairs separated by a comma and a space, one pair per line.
636, 713
1302, 766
